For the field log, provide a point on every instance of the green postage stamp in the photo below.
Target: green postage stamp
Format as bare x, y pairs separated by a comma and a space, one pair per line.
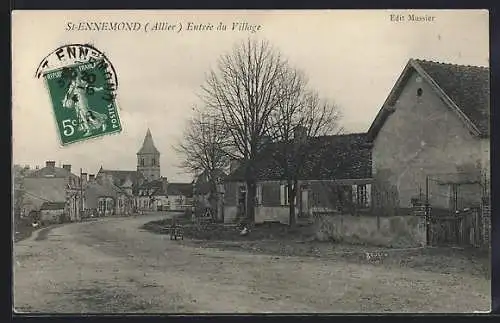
82, 90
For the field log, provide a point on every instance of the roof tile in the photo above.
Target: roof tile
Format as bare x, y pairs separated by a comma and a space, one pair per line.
329, 158
468, 87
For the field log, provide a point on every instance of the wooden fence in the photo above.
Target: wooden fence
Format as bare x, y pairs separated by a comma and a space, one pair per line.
468, 228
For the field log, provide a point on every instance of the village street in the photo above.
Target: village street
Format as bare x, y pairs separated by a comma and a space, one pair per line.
113, 266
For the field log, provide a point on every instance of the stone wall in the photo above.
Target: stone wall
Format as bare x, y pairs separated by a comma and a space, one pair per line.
230, 214
262, 214
272, 214
396, 231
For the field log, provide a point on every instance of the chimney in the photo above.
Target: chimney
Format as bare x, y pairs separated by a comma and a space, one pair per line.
91, 178
50, 164
67, 167
84, 178
164, 183
300, 134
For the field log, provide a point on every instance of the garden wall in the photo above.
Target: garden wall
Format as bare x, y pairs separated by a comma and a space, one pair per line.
396, 231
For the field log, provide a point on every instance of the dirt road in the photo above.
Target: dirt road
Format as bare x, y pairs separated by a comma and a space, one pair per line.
112, 266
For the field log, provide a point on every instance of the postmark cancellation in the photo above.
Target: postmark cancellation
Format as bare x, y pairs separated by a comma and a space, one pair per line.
81, 84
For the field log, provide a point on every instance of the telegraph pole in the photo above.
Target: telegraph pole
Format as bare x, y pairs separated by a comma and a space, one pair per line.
427, 211
81, 193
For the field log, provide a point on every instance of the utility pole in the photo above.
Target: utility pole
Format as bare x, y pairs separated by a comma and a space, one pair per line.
427, 211
81, 192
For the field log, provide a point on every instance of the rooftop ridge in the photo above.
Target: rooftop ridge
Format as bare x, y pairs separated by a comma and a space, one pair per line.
418, 60
352, 134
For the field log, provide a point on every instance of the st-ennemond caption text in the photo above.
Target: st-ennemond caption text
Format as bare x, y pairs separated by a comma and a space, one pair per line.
163, 26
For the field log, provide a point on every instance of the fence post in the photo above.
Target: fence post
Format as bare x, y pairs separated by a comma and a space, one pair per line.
427, 212
486, 221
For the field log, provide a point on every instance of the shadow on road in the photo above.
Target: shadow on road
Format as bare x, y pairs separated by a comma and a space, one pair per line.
43, 233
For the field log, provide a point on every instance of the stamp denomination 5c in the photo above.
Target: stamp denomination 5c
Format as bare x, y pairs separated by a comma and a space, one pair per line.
82, 87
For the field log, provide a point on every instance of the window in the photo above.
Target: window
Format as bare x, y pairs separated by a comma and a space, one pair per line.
142, 161
316, 199
284, 198
153, 162
242, 195
362, 195
420, 92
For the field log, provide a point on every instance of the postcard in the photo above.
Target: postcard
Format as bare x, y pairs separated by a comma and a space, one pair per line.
264, 161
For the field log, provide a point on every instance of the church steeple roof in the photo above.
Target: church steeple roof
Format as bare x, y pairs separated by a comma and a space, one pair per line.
148, 146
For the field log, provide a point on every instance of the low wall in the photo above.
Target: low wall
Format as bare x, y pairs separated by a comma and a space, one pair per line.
262, 214
51, 216
230, 214
396, 231
272, 214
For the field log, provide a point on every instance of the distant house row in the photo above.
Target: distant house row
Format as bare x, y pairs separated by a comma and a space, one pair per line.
430, 141
109, 192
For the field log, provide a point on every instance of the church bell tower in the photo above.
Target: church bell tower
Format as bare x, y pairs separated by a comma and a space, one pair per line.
148, 159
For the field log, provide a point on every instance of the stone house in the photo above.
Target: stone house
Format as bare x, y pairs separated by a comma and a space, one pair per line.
431, 137
128, 180
335, 178
52, 212
104, 198
179, 196
55, 185
152, 195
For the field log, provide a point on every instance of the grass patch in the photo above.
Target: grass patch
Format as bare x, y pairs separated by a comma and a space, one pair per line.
217, 231
23, 229
281, 240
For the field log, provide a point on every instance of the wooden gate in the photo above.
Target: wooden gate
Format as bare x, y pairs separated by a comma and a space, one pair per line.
460, 229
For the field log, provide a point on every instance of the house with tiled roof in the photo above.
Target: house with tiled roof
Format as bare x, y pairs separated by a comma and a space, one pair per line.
160, 195
129, 180
152, 195
104, 198
431, 137
180, 196
53, 185
52, 212
336, 173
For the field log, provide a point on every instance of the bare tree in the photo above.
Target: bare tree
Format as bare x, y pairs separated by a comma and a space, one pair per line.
204, 149
301, 115
243, 90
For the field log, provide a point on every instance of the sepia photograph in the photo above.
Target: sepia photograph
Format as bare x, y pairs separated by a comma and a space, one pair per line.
258, 161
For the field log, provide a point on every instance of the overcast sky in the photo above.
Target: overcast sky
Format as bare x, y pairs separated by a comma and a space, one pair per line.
352, 57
